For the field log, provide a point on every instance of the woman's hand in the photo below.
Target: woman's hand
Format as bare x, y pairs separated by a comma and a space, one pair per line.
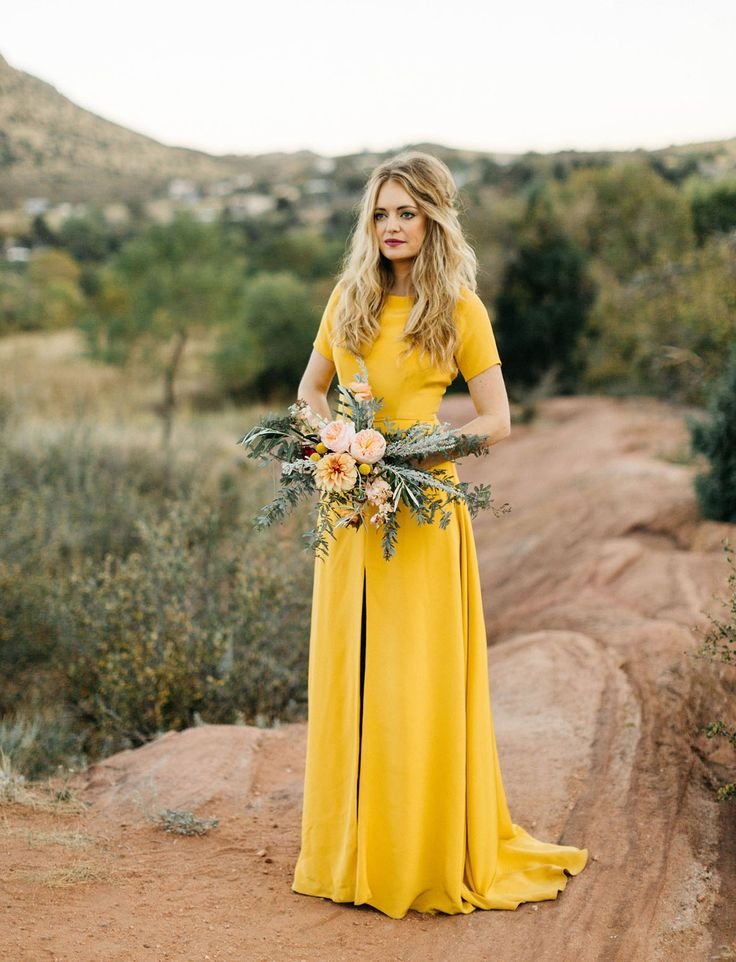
430, 461
315, 384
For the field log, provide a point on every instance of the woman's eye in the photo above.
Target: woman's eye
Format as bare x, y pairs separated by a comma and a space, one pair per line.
408, 214
378, 215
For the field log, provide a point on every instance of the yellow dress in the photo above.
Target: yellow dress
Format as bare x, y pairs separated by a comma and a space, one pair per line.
404, 806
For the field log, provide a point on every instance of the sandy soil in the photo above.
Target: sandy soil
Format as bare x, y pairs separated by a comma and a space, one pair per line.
595, 585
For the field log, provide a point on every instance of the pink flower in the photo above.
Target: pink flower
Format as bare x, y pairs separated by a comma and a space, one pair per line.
336, 472
378, 491
337, 435
361, 390
368, 446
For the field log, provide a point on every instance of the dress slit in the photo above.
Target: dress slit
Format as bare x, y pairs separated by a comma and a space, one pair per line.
362, 685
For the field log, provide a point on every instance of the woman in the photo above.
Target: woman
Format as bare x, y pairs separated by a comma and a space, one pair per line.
404, 806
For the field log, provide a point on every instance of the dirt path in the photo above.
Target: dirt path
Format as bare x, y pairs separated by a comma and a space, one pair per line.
592, 586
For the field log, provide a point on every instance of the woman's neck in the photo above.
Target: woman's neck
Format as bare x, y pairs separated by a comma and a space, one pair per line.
401, 285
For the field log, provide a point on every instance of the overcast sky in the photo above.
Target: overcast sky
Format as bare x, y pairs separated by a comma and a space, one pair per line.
337, 76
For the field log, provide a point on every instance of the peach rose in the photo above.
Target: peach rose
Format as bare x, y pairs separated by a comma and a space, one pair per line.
337, 435
336, 472
361, 390
368, 446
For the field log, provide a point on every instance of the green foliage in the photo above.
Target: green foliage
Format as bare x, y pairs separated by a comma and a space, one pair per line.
716, 439
666, 331
543, 302
136, 598
305, 253
42, 295
714, 208
166, 284
262, 353
88, 238
627, 216
176, 278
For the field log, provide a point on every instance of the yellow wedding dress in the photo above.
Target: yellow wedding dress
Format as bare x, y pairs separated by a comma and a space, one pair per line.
404, 806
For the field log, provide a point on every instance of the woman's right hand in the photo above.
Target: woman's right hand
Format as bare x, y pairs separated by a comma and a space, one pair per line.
315, 383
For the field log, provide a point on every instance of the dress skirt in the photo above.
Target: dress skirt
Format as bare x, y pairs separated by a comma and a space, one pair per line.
404, 805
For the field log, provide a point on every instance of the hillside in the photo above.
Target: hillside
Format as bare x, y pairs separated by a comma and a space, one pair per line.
50, 147
592, 585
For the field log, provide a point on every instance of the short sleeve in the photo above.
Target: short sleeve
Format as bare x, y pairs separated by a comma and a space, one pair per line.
476, 350
323, 339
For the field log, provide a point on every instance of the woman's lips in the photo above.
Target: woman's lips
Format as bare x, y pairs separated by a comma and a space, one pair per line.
393, 243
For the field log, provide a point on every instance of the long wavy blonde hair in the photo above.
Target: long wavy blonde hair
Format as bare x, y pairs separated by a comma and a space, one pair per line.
445, 264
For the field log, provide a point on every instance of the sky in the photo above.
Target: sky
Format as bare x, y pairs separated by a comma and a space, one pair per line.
341, 76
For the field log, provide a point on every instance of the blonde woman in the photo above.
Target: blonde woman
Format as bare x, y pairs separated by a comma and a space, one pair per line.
404, 806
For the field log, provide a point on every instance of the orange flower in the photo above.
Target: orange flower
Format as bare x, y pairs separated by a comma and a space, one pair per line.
361, 390
336, 472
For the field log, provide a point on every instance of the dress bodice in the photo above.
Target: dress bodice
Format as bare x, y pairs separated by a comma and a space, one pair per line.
411, 387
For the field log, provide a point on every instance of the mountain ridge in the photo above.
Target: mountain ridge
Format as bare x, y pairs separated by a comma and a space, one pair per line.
52, 147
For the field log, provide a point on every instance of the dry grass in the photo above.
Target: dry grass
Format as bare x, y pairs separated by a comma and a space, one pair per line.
37, 838
57, 799
48, 387
79, 873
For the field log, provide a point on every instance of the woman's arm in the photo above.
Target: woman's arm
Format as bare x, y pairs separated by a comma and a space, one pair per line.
488, 392
315, 384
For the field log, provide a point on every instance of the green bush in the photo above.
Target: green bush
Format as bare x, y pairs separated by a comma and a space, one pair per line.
185, 628
263, 353
665, 332
716, 439
542, 305
714, 209
137, 597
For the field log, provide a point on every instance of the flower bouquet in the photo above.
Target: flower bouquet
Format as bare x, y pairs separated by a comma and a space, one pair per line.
362, 474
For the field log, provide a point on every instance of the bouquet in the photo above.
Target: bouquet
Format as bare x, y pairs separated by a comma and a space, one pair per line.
361, 474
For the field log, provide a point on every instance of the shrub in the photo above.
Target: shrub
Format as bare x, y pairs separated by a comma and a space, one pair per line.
263, 353
543, 303
185, 628
716, 439
137, 596
714, 208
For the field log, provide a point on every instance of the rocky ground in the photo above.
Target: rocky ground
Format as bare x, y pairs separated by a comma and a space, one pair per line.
596, 586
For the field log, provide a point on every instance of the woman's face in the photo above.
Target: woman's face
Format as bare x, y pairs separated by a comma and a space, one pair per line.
400, 225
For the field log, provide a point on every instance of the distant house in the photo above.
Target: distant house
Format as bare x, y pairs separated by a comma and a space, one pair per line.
35, 205
325, 165
17, 254
183, 190
241, 206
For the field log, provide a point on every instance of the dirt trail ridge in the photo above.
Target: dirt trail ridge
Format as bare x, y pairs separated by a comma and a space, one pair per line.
593, 586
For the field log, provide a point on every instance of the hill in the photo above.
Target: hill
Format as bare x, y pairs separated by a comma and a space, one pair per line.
53, 148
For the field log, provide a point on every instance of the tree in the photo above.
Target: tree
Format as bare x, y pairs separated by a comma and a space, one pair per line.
714, 209
87, 238
627, 216
163, 286
264, 352
666, 331
543, 302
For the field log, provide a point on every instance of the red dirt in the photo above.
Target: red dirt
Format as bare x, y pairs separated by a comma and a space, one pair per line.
593, 585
